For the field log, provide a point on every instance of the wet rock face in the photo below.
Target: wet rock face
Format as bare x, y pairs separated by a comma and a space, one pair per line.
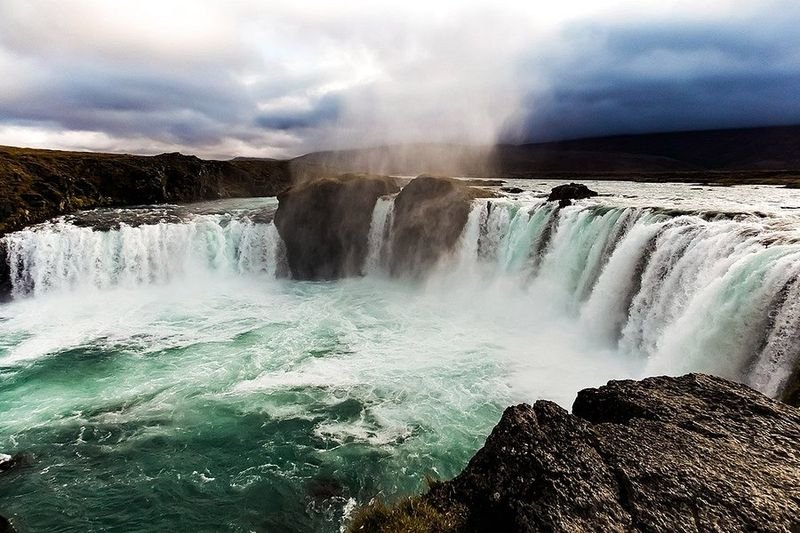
694, 453
564, 194
429, 215
325, 224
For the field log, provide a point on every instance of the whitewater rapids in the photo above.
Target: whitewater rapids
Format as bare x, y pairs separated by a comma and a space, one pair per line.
169, 374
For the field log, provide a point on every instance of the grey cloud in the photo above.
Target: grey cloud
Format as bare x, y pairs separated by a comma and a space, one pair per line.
189, 106
267, 80
325, 110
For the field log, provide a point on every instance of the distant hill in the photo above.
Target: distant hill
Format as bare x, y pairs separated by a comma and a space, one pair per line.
773, 148
245, 158
752, 149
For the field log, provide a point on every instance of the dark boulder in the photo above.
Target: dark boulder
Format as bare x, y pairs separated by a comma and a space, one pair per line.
324, 488
429, 215
6, 526
511, 190
694, 453
564, 194
325, 224
12, 462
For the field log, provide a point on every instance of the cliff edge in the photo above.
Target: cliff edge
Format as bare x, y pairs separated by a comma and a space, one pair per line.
36, 185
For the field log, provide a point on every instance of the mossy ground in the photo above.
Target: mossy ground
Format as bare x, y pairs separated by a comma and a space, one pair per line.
409, 515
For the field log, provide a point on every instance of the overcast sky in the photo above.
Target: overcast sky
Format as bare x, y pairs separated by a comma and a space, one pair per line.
274, 78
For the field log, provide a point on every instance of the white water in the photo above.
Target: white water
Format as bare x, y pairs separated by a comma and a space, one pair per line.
379, 236
678, 293
60, 256
675, 293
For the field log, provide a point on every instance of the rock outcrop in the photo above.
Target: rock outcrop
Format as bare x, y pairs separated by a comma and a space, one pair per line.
325, 224
564, 194
694, 453
429, 215
36, 185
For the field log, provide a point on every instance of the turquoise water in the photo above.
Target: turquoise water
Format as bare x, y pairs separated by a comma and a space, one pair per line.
166, 377
255, 404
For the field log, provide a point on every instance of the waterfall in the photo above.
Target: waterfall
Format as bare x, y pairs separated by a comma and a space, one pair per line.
678, 292
379, 239
59, 256
681, 292
468, 245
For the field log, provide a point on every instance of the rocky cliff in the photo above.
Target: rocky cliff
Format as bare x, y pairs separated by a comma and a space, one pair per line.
39, 184
325, 223
694, 453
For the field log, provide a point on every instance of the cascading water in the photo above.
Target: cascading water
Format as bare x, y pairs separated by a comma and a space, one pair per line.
681, 292
379, 239
59, 256
169, 375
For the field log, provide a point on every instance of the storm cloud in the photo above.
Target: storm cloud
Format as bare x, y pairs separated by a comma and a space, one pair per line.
667, 75
278, 79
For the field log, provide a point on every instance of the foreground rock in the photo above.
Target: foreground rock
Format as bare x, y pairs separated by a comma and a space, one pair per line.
429, 215
564, 194
325, 224
695, 453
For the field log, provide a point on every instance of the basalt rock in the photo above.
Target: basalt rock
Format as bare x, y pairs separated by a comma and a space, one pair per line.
564, 194
429, 215
325, 224
694, 453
